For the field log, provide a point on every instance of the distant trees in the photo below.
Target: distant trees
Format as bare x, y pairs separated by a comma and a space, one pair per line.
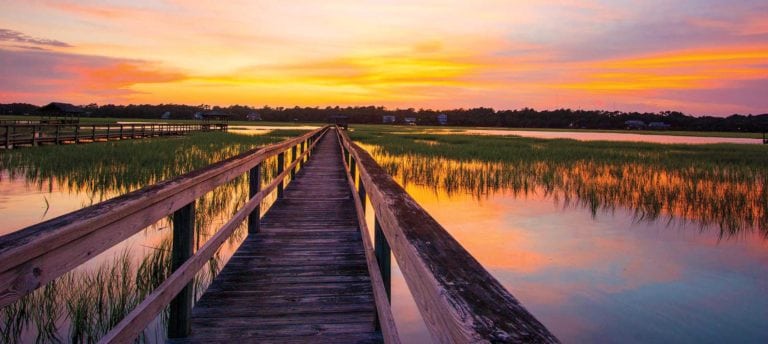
488, 117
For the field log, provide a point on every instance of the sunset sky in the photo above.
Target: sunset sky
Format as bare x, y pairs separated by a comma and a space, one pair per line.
700, 57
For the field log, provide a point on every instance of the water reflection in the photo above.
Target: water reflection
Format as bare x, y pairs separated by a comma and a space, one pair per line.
599, 252
729, 199
67, 178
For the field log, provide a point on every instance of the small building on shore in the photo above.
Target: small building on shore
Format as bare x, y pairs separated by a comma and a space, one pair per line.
341, 121
387, 119
253, 116
658, 125
442, 119
634, 124
61, 113
410, 120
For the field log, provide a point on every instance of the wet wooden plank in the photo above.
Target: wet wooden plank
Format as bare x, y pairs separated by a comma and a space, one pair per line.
303, 277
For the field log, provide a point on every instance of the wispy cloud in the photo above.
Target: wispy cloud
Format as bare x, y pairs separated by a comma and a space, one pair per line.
39, 75
18, 37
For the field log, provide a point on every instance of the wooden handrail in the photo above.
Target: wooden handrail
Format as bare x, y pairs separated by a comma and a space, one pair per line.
36, 255
141, 316
56, 133
458, 299
383, 308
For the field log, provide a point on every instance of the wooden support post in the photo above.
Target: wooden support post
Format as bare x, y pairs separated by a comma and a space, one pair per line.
93, 133
346, 155
179, 323
293, 158
353, 170
254, 183
383, 257
77, 133
108, 126
280, 168
34, 135
133, 131
58, 128
361, 192
7, 137
121, 132
301, 163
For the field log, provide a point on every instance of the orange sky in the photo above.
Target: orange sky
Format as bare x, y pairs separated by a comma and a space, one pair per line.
700, 57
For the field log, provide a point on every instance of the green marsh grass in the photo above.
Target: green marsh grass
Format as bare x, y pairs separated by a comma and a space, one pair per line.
84, 304
720, 185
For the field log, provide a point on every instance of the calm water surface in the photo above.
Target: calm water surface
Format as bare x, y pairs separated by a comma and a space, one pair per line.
604, 271
604, 136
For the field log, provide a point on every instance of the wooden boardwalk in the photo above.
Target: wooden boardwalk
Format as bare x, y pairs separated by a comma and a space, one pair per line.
307, 272
303, 277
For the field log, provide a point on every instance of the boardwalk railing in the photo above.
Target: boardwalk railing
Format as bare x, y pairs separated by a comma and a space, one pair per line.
34, 256
15, 135
458, 299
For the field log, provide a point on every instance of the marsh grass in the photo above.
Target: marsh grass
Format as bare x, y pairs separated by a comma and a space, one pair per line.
84, 304
722, 185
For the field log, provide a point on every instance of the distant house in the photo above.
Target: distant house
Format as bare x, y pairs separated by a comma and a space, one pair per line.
410, 120
658, 125
341, 121
197, 115
166, 115
66, 113
442, 119
634, 124
388, 119
253, 116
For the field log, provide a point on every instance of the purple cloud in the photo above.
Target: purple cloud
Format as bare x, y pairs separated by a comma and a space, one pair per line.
15, 36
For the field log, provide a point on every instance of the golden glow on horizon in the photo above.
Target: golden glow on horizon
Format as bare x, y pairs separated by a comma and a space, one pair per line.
396, 54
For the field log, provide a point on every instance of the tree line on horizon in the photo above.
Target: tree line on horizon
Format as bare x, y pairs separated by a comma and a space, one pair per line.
481, 116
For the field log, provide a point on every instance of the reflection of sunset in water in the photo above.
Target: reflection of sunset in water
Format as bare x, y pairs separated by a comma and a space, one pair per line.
591, 271
721, 198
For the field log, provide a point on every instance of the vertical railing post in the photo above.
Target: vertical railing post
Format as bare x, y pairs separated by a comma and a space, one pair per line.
361, 190
108, 126
353, 170
93, 133
346, 155
77, 133
383, 257
34, 135
301, 163
280, 168
254, 183
133, 131
293, 158
58, 128
121, 132
179, 323
8, 136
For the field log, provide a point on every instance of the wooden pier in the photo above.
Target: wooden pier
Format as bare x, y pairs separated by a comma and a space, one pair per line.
309, 269
34, 134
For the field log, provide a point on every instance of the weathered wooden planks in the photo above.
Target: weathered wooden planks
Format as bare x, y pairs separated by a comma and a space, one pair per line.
303, 277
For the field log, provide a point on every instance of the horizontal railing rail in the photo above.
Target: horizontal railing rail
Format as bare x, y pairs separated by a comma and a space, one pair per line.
458, 299
385, 320
15, 135
141, 316
34, 256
